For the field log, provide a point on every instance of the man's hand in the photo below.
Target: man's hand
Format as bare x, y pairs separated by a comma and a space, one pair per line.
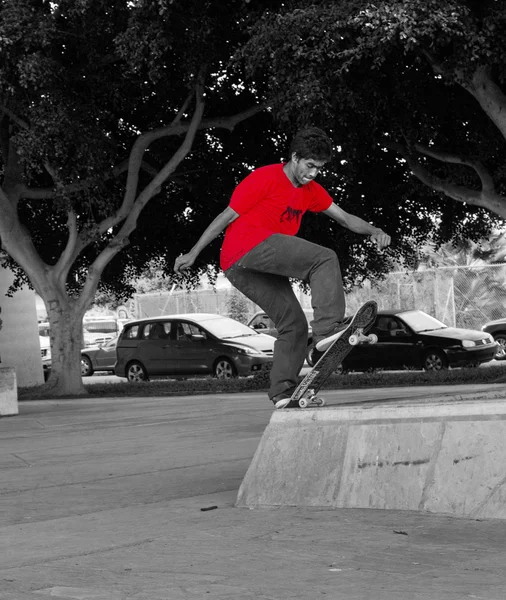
381, 238
185, 261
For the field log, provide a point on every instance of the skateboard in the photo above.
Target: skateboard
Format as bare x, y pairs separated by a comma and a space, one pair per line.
305, 393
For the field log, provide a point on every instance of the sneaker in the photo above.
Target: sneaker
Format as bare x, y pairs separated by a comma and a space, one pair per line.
326, 342
282, 400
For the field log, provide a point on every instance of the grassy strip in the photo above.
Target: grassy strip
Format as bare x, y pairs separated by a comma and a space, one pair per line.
208, 385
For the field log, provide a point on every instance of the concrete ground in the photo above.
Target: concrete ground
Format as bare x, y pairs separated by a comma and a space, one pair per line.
133, 499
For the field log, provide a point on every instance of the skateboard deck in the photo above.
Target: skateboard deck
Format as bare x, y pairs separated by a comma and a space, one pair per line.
305, 393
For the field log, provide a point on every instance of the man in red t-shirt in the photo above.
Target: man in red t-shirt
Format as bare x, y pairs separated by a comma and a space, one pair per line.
260, 253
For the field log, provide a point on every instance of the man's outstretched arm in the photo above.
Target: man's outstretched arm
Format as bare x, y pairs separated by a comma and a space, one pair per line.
222, 221
358, 225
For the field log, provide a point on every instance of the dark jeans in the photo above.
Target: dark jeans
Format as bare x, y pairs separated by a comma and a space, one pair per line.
263, 275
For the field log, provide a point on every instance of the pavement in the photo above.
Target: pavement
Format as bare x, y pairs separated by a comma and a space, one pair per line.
133, 499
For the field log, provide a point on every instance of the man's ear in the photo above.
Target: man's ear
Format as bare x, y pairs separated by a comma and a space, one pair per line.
294, 157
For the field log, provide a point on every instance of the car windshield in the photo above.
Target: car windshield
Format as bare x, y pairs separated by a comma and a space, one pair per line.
420, 321
225, 328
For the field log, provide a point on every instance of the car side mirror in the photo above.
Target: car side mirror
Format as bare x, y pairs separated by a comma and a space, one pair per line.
198, 337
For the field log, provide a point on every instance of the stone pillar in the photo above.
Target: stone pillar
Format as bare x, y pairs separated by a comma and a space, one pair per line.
19, 334
8, 392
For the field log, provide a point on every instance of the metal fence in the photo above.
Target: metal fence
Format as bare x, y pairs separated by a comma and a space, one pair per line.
461, 296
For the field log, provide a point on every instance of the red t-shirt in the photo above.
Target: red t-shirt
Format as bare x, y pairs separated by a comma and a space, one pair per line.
267, 202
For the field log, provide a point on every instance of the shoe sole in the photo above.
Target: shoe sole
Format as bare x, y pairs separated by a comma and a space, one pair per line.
325, 344
283, 403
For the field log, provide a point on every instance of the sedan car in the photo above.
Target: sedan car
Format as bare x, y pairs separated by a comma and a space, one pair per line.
413, 339
99, 358
191, 344
498, 331
261, 322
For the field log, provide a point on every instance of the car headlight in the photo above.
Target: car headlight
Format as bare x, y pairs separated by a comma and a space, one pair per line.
487, 339
249, 351
468, 343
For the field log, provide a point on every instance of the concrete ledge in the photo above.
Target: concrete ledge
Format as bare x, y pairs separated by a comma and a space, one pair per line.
8, 392
441, 455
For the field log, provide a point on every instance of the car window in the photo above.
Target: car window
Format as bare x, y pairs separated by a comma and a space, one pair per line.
131, 332
420, 321
186, 330
262, 321
156, 331
388, 327
226, 328
396, 328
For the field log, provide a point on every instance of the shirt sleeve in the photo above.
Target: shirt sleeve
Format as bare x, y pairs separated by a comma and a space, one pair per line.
321, 199
247, 193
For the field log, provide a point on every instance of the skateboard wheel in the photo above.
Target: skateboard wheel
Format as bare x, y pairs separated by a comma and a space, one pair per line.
373, 338
353, 340
320, 402
303, 403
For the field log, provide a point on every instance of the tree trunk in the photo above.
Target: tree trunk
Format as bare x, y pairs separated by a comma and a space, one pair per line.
66, 324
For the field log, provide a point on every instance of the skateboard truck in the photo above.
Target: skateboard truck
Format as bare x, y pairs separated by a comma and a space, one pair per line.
310, 398
359, 337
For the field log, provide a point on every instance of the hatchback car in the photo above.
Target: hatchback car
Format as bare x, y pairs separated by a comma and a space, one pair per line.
191, 344
497, 329
99, 358
261, 322
413, 339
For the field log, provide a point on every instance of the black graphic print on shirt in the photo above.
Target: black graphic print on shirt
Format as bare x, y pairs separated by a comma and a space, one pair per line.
290, 214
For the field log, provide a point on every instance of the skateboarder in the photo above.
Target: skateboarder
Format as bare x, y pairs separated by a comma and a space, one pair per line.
260, 253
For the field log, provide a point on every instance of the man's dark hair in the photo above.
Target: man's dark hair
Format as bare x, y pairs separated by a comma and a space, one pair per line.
311, 143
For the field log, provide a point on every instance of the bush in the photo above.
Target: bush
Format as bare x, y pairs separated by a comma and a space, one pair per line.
260, 382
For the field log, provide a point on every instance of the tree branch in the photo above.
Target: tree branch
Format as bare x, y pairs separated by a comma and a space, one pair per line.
487, 181
67, 257
487, 197
48, 193
489, 96
447, 187
130, 214
174, 129
13, 117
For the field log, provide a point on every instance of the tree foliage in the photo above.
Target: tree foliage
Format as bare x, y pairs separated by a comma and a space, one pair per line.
406, 87
106, 110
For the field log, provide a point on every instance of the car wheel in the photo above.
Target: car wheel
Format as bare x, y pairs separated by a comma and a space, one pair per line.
86, 366
136, 372
435, 360
500, 338
224, 369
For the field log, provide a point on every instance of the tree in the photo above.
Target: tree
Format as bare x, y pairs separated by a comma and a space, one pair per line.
410, 85
237, 306
102, 105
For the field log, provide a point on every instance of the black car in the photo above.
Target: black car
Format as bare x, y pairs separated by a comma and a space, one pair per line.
497, 330
412, 339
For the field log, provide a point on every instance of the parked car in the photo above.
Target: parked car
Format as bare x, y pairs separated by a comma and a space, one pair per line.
99, 358
415, 340
261, 322
191, 344
45, 353
498, 331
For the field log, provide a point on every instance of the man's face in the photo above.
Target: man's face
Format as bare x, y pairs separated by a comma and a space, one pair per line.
306, 169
